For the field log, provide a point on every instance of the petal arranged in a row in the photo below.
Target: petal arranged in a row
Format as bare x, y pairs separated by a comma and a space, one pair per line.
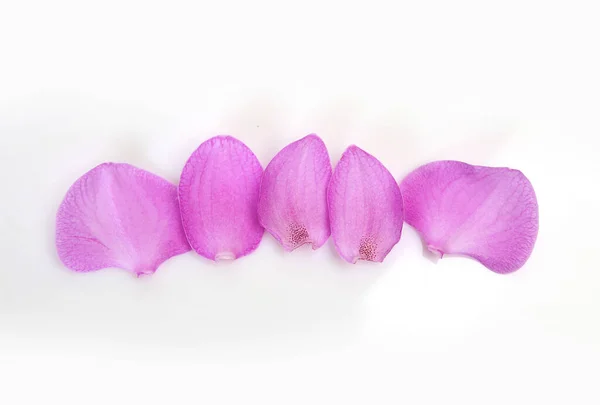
487, 213
218, 197
293, 194
365, 207
117, 215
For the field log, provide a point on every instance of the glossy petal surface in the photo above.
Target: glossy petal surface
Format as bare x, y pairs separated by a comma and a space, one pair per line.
117, 215
293, 195
365, 207
218, 196
490, 214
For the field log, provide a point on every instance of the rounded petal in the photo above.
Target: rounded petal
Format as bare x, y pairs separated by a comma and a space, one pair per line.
488, 213
117, 215
365, 207
293, 196
218, 197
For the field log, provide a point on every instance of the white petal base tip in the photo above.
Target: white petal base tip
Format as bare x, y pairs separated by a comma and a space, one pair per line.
143, 272
435, 251
224, 257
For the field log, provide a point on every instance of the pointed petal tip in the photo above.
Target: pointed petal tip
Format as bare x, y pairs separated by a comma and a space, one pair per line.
223, 137
312, 137
354, 149
311, 141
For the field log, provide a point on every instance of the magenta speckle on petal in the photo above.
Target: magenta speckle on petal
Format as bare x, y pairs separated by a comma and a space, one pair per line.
293, 194
490, 214
218, 196
117, 215
365, 207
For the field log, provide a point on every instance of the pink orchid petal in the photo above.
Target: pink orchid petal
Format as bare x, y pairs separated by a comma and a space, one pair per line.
293, 195
117, 215
365, 207
218, 196
487, 213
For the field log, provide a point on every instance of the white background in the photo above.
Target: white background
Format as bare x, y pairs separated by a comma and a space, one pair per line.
499, 83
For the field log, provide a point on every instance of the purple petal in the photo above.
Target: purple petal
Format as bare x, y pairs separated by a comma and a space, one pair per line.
488, 213
293, 195
218, 196
365, 207
117, 215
